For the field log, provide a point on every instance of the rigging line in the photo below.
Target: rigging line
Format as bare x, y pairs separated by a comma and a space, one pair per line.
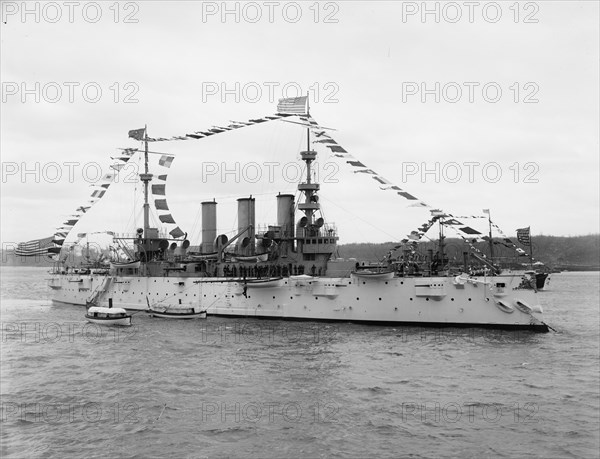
132, 214
236, 196
220, 297
151, 152
167, 297
196, 229
395, 238
275, 141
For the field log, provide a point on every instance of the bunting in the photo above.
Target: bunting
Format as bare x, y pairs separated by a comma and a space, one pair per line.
177, 233
338, 151
506, 241
287, 107
469, 230
469, 242
520, 251
98, 193
421, 231
161, 204
102, 186
298, 107
166, 160
220, 129
166, 218
291, 107
159, 190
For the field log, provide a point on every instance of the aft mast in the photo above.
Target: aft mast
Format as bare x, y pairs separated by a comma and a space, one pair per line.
148, 242
146, 177
310, 189
316, 243
491, 242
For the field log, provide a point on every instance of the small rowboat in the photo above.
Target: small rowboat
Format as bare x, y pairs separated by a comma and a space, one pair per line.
125, 264
375, 275
250, 259
178, 313
264, 283
202, 257
108, 316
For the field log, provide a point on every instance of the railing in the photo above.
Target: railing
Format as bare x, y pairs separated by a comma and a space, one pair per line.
161, 235
326, 231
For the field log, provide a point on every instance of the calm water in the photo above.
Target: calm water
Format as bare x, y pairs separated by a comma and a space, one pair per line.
249, 388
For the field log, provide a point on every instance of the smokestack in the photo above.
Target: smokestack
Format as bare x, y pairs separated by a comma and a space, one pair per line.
246, 218
209, 226
285, 214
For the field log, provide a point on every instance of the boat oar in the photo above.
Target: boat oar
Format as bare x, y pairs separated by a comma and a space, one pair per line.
161, 413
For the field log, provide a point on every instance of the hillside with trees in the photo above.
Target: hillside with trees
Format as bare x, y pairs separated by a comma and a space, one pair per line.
567, 253
570, 253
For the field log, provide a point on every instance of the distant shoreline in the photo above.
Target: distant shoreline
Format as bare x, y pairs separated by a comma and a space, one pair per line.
573, 253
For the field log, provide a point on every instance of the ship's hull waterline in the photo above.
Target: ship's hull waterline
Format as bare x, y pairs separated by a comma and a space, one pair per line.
425, 301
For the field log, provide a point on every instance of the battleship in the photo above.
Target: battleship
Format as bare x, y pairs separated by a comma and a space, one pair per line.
289, 270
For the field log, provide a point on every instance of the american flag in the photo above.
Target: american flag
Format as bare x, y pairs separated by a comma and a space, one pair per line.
523, 236
34, 248
292, 105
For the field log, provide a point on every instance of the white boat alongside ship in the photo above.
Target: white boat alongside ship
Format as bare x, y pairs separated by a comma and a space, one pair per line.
108, 316
177, 313
291, 271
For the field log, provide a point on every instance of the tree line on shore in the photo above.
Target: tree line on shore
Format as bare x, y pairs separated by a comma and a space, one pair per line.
562, 252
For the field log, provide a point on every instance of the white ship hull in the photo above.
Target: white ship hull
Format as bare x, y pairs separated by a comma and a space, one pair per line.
434, 301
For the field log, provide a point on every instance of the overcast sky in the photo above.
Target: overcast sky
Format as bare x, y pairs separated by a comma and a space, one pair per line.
514, 127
